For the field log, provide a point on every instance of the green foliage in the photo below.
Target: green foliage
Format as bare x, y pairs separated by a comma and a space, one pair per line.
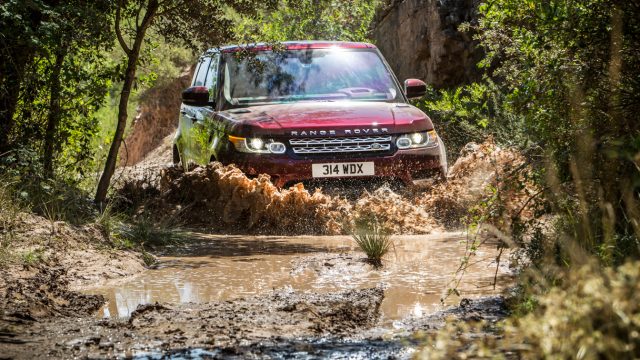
344, 20
562, 83
53, 78
472, 113
26, 188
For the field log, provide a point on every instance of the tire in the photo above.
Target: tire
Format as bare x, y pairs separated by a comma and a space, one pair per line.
176, 155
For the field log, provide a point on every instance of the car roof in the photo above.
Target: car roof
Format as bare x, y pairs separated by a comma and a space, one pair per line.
295, 45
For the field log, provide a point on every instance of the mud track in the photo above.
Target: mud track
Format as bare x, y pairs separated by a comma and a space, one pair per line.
282, 325
43, 316
286, 322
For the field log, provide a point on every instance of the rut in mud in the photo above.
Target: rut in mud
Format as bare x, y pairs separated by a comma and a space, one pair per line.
222, 198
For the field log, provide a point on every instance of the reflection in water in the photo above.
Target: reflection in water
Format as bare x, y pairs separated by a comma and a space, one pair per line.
223, 267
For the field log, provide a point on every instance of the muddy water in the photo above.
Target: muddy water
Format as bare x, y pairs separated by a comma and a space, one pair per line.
217, 267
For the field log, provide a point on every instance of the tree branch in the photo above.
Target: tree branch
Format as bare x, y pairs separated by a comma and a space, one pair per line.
149, 15
169, 9
138, 18
123, 44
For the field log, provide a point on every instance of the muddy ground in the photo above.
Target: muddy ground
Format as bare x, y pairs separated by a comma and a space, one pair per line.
43, 316
52, 260
285, 322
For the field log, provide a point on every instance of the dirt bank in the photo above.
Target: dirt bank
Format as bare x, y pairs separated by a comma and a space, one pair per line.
156, 118
222, 198
45, 261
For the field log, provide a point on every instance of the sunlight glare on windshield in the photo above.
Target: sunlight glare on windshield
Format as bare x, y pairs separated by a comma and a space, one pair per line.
311, 74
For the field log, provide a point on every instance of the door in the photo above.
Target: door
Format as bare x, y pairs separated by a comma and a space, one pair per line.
195, 121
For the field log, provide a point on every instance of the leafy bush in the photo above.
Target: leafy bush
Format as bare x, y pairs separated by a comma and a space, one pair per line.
570, 71
60, 199
471, 113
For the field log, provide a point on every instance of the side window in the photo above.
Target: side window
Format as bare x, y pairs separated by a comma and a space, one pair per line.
201, 73
211, 80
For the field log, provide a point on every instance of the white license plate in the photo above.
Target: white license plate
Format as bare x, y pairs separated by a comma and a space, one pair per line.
342, 169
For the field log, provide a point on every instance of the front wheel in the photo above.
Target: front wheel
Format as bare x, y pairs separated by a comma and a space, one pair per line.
176, 155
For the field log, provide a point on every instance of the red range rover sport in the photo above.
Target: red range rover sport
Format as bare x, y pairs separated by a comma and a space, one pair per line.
307, 110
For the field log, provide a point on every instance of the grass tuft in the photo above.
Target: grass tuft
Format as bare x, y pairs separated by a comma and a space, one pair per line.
109, 220
32, 257
372, 239
145, 232
9, 207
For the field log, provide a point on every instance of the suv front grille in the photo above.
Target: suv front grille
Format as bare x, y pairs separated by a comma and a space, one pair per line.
341, 145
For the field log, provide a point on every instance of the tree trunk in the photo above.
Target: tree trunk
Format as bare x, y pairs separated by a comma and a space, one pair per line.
55, 112
13, 71
110, 166
133, 54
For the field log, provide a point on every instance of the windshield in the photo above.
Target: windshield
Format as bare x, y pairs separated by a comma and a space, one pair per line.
310, 74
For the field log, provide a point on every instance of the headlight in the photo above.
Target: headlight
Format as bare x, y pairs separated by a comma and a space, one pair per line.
257, 145
417, 140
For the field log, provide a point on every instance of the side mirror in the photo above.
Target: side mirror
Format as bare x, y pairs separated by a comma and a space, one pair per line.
414, 88
196, 96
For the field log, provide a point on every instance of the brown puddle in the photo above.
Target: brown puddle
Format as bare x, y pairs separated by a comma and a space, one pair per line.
220, 267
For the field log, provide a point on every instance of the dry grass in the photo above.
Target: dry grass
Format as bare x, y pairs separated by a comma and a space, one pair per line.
594, 315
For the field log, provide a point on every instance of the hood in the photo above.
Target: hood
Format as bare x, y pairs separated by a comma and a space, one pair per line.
343, 117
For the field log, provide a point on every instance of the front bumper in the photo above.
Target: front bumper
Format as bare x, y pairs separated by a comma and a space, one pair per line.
406, 165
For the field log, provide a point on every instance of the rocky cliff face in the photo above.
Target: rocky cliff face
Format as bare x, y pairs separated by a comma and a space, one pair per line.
156, 119
420, 39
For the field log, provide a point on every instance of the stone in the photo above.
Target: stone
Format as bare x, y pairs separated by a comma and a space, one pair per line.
420, 39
